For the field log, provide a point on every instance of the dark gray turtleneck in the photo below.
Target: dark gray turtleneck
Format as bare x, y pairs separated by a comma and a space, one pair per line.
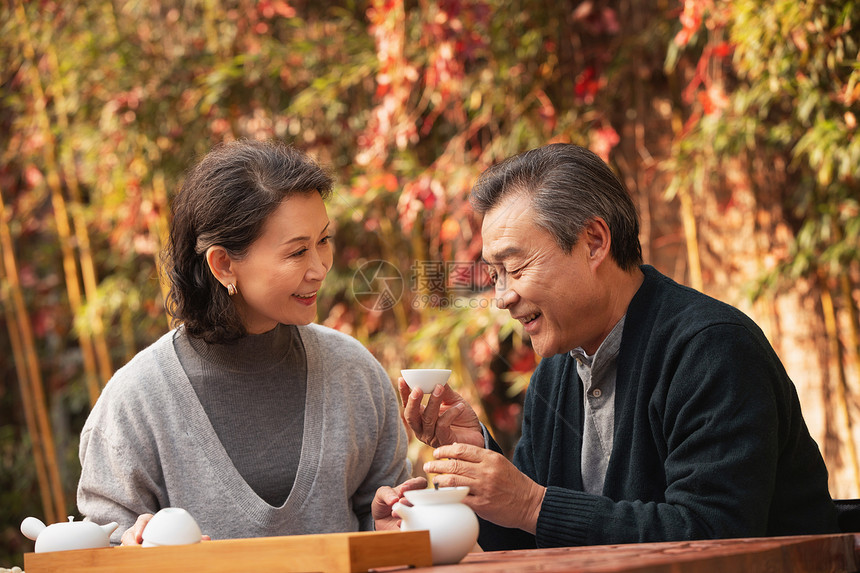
253, 392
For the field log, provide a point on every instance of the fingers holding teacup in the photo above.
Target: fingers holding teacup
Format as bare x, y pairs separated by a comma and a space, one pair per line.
404, 390
416, 383
445, 418
468, 465
134, 534
410, 484
496, 486
412, 413
457, 464
386, 497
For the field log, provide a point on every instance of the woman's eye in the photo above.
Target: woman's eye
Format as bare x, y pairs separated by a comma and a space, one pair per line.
325, 240
299, 253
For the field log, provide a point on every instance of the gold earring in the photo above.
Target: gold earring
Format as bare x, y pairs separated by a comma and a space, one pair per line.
231, 289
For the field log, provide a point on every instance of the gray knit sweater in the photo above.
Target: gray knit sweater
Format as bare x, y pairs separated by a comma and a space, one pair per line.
148, 444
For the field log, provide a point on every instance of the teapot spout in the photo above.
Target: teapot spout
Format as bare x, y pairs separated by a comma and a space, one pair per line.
109, 528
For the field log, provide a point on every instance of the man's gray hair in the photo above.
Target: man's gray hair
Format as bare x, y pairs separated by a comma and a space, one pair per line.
569, 186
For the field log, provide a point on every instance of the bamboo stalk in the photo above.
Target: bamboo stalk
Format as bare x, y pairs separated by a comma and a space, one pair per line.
692, 237
831, 327
846, 290
401, 308
159, 196
87, 265
44, 453
70, 266
70, 269
853, 321
29, 415
24, 382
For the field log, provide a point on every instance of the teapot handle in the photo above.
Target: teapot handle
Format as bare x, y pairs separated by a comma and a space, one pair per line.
31, 527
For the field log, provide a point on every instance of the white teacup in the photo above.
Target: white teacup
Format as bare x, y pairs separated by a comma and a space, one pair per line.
425, 378
171, 526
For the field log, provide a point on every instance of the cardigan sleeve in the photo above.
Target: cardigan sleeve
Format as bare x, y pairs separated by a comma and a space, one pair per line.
532, 452
390, 465
492, 537
121, 476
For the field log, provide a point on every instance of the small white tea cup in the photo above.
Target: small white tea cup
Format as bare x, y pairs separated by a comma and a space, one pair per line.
171, 526
425, 378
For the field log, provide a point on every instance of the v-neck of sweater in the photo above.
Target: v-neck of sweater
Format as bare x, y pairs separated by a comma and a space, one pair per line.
253, 392
201, 429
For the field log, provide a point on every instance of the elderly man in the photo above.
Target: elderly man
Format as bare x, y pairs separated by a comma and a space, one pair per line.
657, 414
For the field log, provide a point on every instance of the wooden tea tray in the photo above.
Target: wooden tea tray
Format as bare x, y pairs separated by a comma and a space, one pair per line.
326, 553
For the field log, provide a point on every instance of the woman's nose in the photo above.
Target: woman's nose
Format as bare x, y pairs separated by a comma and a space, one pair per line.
320, 264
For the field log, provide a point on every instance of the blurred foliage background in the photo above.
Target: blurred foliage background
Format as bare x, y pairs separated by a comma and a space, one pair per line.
733, 124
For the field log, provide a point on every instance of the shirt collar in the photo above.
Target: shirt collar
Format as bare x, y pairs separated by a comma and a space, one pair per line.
606, 352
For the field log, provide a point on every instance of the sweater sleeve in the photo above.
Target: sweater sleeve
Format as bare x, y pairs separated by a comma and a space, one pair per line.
390, 465
492, 537
714, 421
120, 471
532, 453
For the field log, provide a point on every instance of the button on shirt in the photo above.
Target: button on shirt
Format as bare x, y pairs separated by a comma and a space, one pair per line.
598, 373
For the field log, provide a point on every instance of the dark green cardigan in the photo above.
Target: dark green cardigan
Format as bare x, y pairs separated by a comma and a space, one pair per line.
709, 441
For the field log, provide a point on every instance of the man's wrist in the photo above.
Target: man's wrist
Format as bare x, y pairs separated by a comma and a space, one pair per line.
533, 508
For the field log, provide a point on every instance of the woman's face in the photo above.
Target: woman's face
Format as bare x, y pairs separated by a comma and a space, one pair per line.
280, 275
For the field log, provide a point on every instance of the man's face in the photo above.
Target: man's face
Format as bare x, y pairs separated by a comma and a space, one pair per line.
554, 294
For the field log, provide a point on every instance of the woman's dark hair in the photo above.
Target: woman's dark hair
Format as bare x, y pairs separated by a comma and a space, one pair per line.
225, 200
568, 186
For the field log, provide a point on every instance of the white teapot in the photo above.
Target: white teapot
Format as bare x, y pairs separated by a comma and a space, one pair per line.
453, 525
67, 535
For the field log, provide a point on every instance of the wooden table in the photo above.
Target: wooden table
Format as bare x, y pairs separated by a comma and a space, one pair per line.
811, 553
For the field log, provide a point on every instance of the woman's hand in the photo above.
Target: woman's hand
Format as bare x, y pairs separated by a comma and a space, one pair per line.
386, 497
445, 419
134, 534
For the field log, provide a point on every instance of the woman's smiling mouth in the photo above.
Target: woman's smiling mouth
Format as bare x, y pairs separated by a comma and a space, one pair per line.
307, 299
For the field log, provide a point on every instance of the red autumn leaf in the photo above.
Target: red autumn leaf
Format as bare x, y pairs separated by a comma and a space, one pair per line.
450, 230
722, 50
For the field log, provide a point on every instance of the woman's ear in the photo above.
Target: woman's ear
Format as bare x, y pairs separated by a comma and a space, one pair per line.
221, 265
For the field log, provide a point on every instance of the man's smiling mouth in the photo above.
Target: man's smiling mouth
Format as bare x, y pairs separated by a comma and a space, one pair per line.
529, 318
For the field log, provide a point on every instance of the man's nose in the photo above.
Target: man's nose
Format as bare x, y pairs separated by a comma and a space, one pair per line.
505, 296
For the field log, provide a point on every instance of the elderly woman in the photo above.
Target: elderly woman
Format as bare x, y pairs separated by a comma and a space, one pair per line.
256, 421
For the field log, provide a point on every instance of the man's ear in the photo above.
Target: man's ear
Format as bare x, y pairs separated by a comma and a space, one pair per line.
220, 264
598, 239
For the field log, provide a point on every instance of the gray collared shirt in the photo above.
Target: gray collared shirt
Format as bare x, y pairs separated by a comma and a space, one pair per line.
598, 373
